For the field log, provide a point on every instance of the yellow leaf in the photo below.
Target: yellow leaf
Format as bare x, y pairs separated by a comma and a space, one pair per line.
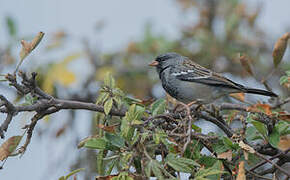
59, 73
9, 146
109, 80
241, 173
102, 71
279, 49
65, 77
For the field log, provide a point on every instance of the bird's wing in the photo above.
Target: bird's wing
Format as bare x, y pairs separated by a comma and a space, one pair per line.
198, 74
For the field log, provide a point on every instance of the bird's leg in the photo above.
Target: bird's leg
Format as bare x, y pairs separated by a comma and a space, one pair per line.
186, 106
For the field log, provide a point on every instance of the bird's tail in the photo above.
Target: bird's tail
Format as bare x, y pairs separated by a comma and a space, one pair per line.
261, 92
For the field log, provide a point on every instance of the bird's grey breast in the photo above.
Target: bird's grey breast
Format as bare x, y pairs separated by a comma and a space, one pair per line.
169, 82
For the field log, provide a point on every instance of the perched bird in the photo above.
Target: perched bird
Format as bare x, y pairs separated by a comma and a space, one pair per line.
187, 81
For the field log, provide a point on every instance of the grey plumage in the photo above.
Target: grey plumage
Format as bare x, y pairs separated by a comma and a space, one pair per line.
187, 81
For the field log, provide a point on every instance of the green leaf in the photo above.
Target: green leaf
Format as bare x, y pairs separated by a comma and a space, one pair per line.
261, 128
62, 178
203, 173
250, 133
135, 137
218, 165
171, 146
283, 79
156, 169
196, 128
70, 174
137, 122
158, 107
274, 137
134, 113
219, 147
74, 172
126, 130
117, 100
194, 149
144, 136
11, 26
148, 169
125, 159
96, 143
207, 161
108, 106
137, 164
115, 140
188, 161
230, 144
131, 100
158, 136
283, 128
111, 165
100, 167
123, 176
103, 96
181, 164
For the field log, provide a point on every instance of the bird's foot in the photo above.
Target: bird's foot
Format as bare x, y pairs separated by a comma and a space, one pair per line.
182, 106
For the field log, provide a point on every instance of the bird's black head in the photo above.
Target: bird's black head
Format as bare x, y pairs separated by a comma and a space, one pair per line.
167, 56
166, 60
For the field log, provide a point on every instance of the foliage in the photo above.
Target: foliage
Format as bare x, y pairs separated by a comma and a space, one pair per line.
135, 136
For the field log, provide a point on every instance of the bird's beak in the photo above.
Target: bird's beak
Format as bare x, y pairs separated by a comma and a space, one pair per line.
154, 63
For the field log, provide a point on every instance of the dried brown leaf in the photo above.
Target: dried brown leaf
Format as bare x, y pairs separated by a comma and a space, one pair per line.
9, 146
246, 147
110, 129
226, 155
133, 48
109, 177
241, 173
147, 102
27, 47
266, 108
279, 49
284, 142
60, 131
246, 155
238, 96
245, 61
284, 115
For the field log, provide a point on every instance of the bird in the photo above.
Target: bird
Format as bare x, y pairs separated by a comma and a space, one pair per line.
187, 81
